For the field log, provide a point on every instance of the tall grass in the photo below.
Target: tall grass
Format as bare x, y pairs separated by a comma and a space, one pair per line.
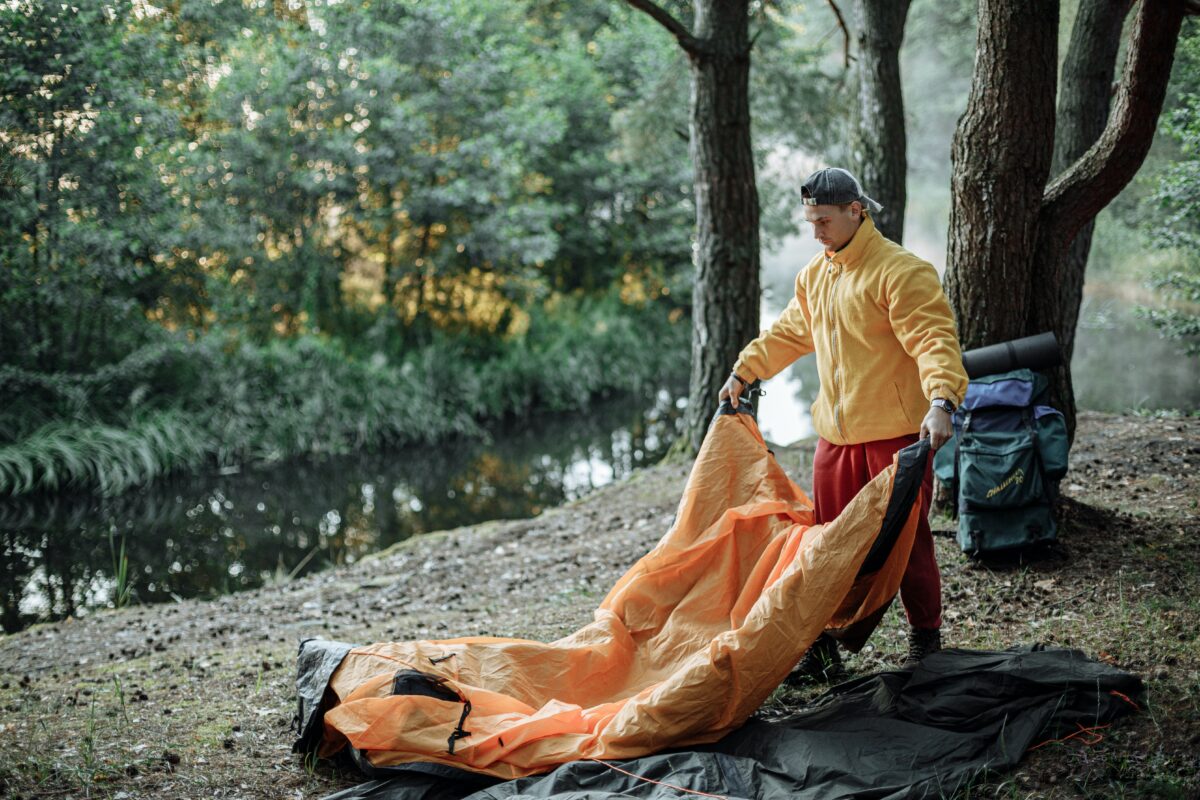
177, 405
123, 586
111, 459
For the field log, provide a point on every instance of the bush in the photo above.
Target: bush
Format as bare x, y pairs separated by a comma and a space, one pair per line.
1175, 218
1178, 318
176, 404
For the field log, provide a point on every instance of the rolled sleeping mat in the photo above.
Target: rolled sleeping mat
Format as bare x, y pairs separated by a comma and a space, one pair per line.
1032, 352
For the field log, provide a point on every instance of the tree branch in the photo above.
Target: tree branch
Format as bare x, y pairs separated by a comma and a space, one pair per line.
837, 12
758, 33
1088, 185
690, 44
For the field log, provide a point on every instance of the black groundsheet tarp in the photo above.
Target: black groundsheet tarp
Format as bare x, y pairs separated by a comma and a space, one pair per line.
890, 735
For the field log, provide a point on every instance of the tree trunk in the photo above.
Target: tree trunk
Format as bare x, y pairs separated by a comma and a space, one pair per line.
877, 131
1083, 104
1087, 79
1097, 175
1001, 160
726, 295
1008, 273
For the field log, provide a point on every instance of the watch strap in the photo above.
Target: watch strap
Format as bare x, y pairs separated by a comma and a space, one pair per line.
943, 404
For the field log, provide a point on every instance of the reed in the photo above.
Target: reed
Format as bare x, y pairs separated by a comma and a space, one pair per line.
122, 583
106, 458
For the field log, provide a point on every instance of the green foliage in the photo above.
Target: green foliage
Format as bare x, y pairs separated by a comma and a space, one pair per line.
235, 230
798, 106
937, 59
143, 378
288, 172
586, 347
65, 455
231, 230
224, 401
1180, 321
81, 211
494, 147
308, 396
1178, 195
1174, 222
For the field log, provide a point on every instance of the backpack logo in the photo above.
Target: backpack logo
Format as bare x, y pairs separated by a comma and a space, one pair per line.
1018, 477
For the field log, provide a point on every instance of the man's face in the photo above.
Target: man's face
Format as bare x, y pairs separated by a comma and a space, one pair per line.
834, 226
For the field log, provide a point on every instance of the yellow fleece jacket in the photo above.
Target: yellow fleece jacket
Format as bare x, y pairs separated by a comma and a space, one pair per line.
883, 333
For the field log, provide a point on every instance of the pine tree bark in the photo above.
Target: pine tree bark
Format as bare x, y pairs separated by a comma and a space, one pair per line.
1008, 273
1000, 156
1087, 79
726, 294
877, 132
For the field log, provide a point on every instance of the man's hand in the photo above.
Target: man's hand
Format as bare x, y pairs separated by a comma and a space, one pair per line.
937, 427
732, 388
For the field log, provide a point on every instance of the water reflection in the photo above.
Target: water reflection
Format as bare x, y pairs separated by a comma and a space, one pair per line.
1120, 363
213, 534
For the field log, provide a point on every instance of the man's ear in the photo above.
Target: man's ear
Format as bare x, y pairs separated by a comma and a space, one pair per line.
856, 209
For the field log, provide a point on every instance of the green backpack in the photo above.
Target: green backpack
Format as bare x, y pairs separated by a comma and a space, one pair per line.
1004, 463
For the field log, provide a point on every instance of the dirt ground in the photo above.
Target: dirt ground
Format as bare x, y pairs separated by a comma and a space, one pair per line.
195, 699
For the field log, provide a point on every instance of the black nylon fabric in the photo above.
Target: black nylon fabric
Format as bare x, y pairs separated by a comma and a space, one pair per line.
316, 662
910, 470
890, 736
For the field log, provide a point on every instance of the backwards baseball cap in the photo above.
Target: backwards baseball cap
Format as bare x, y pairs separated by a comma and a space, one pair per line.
834, 186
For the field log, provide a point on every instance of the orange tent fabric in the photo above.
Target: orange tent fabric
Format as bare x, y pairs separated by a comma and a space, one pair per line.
683, 649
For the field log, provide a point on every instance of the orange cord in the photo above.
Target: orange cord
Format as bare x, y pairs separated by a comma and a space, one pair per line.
1115, 693
659, 783
1089, 734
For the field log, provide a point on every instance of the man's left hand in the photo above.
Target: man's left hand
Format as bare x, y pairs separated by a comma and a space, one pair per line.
937, 427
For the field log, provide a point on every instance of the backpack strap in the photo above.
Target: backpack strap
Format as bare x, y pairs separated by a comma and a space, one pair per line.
960, 438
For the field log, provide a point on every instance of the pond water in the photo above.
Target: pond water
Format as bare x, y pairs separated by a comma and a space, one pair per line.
1120, 364
214, 533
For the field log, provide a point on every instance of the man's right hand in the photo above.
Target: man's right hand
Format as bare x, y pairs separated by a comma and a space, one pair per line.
731, 390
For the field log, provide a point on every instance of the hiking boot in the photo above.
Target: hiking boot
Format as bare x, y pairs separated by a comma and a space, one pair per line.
921, 642
822, 663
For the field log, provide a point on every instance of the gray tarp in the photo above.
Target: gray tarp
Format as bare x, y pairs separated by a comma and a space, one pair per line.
891, 735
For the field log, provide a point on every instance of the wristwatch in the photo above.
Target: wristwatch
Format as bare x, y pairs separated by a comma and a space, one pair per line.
943, 404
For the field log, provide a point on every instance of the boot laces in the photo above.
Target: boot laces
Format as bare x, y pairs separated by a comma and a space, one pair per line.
922, 643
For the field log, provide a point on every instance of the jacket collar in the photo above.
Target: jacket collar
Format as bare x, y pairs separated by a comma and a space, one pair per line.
855, 251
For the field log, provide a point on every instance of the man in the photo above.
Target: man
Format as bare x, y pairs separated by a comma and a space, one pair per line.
890, 370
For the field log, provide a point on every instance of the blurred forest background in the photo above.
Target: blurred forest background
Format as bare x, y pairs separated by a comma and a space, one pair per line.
237, 231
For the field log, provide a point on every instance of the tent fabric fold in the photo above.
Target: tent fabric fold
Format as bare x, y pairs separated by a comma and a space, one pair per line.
684, 648
930, 733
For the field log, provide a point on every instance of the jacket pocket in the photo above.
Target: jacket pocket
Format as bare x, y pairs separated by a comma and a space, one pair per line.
904, 406
999, 470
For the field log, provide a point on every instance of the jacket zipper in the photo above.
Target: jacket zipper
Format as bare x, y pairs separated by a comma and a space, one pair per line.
837, 379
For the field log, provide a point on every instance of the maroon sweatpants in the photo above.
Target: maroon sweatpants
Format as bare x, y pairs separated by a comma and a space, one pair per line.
839, 471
